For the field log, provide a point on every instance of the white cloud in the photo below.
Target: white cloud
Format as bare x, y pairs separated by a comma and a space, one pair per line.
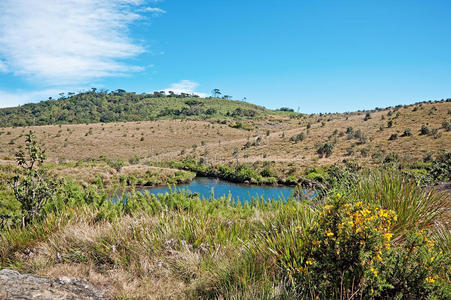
10, 99
185, 86
154, 10
3, 67
68, 41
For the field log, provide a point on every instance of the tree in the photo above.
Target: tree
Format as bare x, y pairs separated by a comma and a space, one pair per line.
33, 188
216, 92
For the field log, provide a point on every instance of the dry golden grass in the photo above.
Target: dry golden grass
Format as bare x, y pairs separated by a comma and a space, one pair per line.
148, 276
87, 174
216, 143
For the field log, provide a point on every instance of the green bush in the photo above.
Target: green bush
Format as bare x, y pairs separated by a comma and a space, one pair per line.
393, 137
407, 132
447, 125
34, 187
325, 149
424, 130
350, 250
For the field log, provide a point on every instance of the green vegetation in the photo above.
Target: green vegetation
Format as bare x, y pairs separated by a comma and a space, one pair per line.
358, 240
240, 173
376, 233
120, 106
34, 188
325, 149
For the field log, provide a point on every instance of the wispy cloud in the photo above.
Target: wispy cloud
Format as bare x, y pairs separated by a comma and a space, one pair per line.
10, 99
185, 86
3, 67
68, 41
154, 10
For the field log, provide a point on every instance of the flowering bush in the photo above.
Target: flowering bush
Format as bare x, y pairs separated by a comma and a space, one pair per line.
350, 252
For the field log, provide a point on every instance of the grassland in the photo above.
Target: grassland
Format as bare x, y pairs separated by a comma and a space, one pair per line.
268, 140
178, 246
371, 218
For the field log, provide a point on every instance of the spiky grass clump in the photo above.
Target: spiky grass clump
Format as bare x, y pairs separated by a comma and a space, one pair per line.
415, 207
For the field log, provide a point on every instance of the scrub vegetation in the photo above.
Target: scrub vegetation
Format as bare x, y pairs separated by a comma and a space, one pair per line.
378, 229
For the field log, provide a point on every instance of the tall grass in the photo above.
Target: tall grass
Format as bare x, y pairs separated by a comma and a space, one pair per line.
415, 207
181, 246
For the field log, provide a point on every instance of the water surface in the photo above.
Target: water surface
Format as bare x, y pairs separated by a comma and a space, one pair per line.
207, 187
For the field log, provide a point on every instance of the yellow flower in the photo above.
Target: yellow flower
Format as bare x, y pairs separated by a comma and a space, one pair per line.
338, 195
375, 272
327, 207
309, 262
329, 233
379, 256
430, 280
387, 245
388, 236
358, 204
365, 212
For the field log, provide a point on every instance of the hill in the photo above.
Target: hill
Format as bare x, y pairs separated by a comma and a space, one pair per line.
290, 144
120, 106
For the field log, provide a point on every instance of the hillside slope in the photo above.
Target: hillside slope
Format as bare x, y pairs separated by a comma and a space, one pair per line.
95, 107
287, 142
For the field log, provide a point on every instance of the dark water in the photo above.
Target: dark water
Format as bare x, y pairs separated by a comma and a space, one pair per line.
207, 187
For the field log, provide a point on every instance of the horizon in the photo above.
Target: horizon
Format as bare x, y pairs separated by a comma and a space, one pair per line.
312, 57
107, 92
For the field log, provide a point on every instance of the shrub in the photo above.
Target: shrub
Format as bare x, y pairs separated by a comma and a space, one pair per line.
267, 172
364, 152
391, 158
34, 188
424, 130
325, 149
393, 137
367, 116
297, 138
134, 160
447, 125
362, 139
340, 249
407, 132
350, 250
116, 164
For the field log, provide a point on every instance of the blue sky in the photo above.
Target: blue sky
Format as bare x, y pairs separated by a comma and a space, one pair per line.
318, 56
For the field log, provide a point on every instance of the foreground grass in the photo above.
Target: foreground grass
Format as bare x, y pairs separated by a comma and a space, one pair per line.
179, 246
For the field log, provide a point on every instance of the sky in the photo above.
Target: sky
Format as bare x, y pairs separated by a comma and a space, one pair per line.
312, 56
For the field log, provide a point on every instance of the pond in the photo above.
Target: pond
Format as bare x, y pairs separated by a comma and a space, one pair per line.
207, 187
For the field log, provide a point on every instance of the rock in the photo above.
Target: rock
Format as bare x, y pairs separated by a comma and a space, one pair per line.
14, 285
